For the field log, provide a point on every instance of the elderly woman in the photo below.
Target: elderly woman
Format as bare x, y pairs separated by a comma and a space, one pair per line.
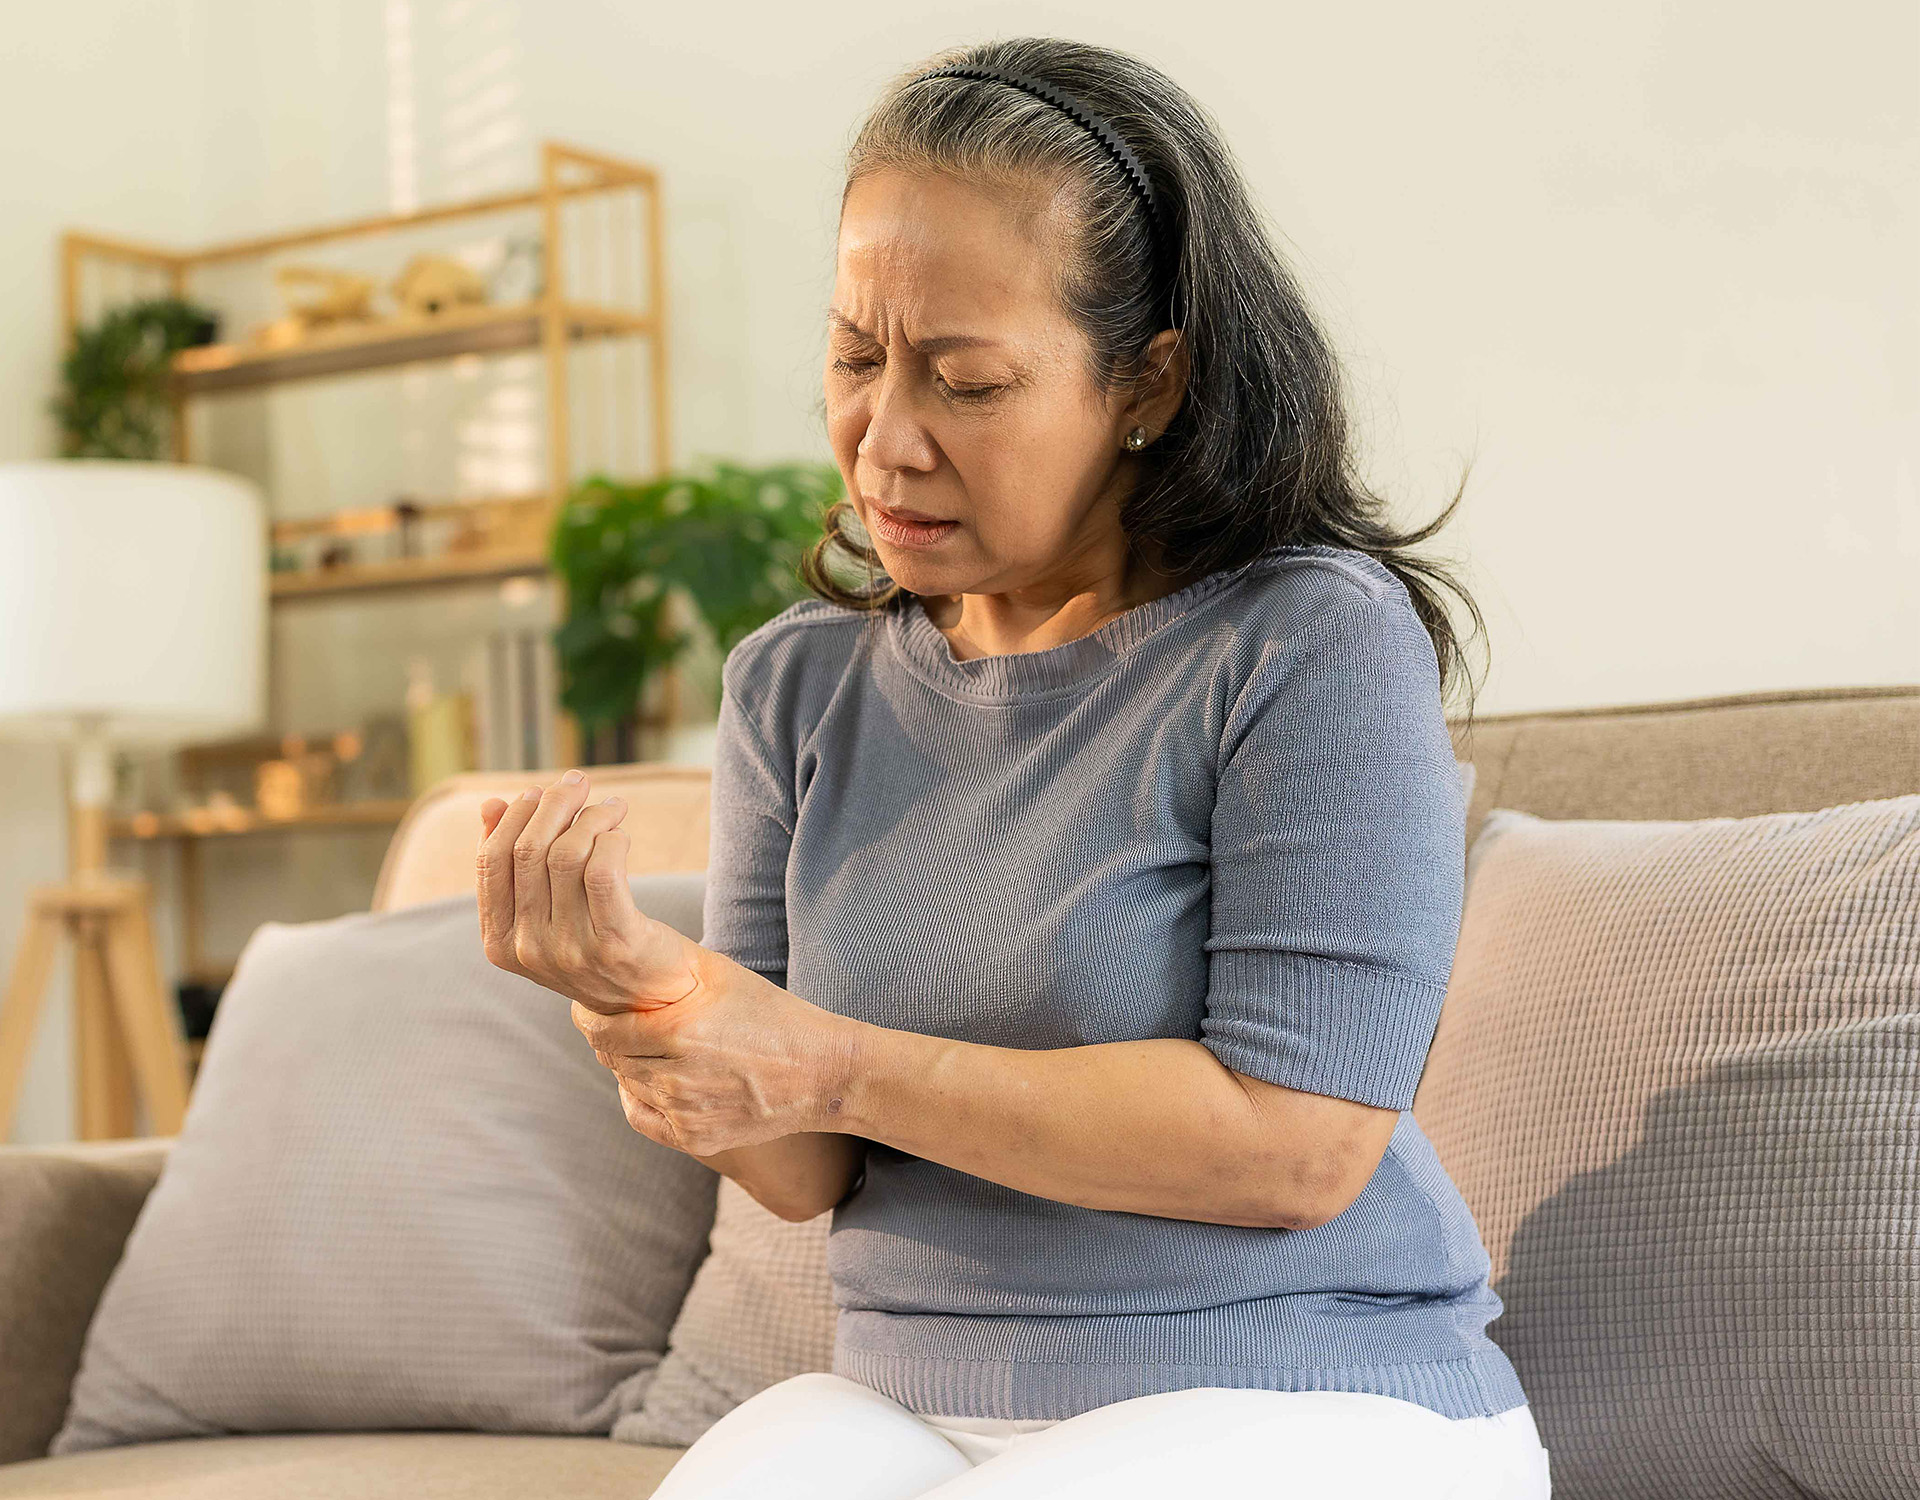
1083, 891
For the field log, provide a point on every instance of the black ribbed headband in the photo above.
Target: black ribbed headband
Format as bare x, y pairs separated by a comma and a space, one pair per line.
1061, 100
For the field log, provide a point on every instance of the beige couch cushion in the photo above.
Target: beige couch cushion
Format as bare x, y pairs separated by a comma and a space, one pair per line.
1675, 1079
352, 1466
65, 1212
1727, 757
432, 852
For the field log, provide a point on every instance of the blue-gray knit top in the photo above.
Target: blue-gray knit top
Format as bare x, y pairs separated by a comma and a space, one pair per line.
1231, 814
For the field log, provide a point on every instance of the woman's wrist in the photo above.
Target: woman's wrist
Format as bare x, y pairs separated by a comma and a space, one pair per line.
823, 1043
840, 1051
873, 1074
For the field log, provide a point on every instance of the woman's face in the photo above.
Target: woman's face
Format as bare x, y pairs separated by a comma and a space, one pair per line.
957, 388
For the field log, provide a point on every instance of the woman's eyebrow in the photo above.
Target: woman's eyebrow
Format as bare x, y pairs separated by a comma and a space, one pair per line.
937, 345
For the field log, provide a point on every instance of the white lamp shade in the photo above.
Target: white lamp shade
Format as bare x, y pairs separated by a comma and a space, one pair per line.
132, 602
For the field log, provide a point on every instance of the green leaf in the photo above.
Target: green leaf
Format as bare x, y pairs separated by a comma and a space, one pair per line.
728, 536
114, 400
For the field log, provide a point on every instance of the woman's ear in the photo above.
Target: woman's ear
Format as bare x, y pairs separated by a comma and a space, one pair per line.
1162, 386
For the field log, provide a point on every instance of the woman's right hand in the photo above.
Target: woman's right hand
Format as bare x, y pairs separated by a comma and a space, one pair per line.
555, 906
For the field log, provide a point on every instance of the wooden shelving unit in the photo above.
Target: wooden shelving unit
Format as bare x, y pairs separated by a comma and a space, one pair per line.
367, 814
517, 525
395, 341
556, 319
409, 572
598, 285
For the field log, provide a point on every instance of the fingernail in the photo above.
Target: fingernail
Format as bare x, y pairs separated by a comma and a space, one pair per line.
612, 802
574, 778
531, 794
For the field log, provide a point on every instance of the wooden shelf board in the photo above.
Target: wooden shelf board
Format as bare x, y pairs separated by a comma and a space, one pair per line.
378, 520
369, 814
399, 341
405, 572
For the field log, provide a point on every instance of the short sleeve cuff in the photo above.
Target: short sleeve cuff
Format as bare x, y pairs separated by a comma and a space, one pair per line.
1321, 1025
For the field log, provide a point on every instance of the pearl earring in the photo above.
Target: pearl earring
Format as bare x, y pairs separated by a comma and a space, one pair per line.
1137, 439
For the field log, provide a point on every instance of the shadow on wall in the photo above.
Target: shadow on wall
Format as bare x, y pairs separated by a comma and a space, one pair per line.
1733, 1307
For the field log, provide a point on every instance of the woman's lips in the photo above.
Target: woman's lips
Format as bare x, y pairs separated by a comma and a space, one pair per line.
905, 533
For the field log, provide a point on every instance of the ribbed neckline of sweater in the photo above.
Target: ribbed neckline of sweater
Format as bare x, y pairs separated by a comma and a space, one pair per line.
1056, 670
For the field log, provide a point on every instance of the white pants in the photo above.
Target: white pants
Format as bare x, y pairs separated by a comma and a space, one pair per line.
824, 1437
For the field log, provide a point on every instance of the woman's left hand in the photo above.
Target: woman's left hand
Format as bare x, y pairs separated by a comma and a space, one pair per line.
709, 1054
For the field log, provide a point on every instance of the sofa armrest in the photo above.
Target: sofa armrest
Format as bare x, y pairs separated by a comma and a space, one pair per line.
65, 1213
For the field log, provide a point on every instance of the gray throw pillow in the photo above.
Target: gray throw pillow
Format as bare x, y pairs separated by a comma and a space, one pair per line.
404, 1196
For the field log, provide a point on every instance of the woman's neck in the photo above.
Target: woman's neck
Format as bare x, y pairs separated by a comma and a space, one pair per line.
1143, 585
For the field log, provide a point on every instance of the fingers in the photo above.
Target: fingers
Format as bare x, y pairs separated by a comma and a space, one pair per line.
495, 877
532, 888
647, 1120
610, 1034
490, 811
609, 898
567, 859
623, 1037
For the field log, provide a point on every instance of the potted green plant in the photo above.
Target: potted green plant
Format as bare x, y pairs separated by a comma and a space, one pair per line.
727, 536
114, 401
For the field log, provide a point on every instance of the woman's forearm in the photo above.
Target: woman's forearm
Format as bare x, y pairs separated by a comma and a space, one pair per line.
798, 1176
1157, 1126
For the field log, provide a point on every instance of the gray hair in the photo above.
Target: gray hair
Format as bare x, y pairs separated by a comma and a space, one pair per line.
1260, 453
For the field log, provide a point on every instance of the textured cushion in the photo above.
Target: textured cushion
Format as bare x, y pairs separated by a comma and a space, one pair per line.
1676, 1078
761, 1310
405, 1196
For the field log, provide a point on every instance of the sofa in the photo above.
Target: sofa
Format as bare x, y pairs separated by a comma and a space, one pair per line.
65, 1211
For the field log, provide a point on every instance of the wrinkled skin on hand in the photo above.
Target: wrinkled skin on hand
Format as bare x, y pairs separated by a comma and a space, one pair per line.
709, 1055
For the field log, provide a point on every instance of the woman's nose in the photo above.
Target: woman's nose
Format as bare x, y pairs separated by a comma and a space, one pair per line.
895, 438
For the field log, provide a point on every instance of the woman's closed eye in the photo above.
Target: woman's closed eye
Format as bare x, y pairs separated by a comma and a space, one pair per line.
957, 392
969, 392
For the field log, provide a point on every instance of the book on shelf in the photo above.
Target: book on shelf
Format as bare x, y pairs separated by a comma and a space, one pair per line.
513, 678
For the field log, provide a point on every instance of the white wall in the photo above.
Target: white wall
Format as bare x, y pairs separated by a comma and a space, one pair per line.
1652, 266
99, 126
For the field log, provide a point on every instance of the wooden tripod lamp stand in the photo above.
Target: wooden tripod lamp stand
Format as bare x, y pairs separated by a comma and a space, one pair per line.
132, 612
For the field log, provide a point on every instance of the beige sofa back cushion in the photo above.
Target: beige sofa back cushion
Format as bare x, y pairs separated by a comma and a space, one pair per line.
433, 849
1695, 758
1726, 757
